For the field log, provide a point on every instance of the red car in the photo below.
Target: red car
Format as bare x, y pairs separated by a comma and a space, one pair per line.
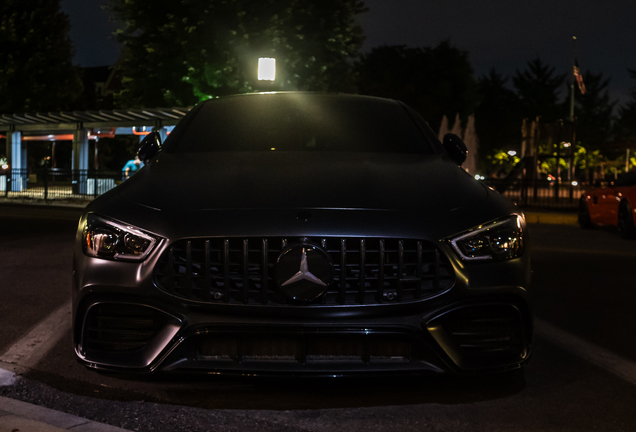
614, 204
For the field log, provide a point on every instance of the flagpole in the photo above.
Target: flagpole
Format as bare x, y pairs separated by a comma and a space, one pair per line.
573, 79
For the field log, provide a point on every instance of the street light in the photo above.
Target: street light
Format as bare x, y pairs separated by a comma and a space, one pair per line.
266, 69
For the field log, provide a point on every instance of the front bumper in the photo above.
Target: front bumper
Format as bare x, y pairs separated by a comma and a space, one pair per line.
481, 335
124, 322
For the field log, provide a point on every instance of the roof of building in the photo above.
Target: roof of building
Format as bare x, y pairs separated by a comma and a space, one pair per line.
71, 120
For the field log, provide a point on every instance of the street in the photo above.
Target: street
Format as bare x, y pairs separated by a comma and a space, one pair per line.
582, 375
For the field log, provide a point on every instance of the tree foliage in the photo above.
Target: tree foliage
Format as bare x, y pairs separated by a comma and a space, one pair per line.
434, 81
626, 124
498, 117
593, 111
36, 70
538, 89
181, 52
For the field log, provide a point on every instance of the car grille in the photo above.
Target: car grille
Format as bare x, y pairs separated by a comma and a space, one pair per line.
307, 347
366, 270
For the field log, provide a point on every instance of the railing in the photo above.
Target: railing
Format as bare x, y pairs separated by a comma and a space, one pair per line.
539, 193
56, 183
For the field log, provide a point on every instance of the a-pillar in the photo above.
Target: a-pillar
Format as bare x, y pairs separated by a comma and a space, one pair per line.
17, 160
80, 160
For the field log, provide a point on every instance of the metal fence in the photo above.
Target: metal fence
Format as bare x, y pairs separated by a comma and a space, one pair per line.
56, 183
539, 193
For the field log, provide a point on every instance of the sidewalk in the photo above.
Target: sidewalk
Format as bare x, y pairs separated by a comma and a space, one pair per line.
24, 417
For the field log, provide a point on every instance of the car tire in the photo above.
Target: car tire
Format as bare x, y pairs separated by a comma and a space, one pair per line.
584, 215
625, 222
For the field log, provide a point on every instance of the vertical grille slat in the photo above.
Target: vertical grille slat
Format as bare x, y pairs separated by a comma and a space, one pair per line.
264, 275
418, 273
400, 268
380, 271
246, 269
366, 270
361, 279
343, 272
189, 268
226, 269
206, 272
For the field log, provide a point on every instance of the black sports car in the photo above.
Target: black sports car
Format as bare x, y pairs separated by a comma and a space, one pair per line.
302, 233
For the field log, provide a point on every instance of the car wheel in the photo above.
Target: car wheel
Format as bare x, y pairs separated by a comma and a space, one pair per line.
584, 215
625, 223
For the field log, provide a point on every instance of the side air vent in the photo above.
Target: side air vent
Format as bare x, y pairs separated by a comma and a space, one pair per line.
121, 328
481, 336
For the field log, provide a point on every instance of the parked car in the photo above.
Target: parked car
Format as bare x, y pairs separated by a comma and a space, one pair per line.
611, 204
302, 233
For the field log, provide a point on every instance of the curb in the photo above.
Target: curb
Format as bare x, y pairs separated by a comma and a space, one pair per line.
17, 415
551, 218
44, 203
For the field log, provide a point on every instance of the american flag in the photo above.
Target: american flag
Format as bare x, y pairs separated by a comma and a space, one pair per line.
579, 77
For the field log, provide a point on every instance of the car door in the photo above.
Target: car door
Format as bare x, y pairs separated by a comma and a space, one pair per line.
606, 207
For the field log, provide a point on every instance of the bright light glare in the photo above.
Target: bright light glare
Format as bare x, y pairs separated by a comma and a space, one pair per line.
512, 153
575, 183
566, 145
266, 69
476, 176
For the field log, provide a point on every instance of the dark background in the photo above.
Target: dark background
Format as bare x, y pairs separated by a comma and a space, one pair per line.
498, 33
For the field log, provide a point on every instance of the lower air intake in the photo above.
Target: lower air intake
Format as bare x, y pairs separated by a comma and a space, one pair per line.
308, 348
482, 336
121, 328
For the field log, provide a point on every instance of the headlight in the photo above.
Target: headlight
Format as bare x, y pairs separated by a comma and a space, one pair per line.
499, 240
103, 238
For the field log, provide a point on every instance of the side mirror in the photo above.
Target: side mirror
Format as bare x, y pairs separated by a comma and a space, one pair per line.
149, 147
455, 147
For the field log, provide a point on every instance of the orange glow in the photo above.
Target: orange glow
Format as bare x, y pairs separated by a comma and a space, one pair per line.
57, 137
109, 133
143, 132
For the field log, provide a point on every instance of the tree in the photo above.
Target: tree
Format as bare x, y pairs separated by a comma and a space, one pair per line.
434, 81
36, 70
498, 117
593, 111
538, 89
182, 52
626, 124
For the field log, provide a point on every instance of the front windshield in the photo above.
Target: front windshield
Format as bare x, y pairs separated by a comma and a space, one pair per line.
301, 122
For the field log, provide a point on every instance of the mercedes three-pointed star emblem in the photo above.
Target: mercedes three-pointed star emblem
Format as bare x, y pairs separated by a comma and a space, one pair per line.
313, 278
303, 273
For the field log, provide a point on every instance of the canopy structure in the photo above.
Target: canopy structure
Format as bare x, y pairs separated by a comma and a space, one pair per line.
80, 126
69, 121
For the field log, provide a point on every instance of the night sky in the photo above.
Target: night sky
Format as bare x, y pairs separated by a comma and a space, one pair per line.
503, 34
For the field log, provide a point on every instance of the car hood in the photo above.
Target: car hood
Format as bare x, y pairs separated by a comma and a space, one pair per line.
298, 180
